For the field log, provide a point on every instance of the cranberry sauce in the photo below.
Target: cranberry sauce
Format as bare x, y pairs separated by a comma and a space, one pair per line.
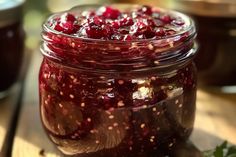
11, 53
108, 23
102, 95
85, 113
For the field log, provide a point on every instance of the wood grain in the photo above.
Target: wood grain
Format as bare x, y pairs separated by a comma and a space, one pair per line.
215, 120
7, 105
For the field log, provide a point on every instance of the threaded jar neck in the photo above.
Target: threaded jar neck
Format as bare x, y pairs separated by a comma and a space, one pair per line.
119, 56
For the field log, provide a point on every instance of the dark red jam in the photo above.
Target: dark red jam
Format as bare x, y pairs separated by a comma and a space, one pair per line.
117, 83
108, 23
11, 53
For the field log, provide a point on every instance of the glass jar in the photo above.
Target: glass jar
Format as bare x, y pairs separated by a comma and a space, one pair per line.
216, 21
111, 98
12, 43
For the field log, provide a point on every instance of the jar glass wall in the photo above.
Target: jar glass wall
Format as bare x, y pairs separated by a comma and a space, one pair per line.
12, 47
12, 43
111, 98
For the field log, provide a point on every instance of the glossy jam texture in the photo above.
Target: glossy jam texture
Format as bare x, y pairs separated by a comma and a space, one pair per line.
108, 23
106, 98
86, 113
11, 54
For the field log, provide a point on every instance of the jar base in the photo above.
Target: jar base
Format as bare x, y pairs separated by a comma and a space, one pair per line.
169, 148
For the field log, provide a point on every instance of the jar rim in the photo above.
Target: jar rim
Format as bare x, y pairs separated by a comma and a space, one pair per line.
110, 55
189, 28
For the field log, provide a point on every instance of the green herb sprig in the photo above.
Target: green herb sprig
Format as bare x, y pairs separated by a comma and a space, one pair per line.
223, 150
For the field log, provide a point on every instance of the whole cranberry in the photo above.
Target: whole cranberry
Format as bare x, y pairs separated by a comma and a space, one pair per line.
67, 23
127, 21
146, 10
57, 26
98, 32
67, 27
115, 24
99, 21
166, 19
141, 27
124, 31
67, 17
109, 12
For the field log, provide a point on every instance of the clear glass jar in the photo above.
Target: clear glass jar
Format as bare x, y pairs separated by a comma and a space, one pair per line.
12, 43
110, 98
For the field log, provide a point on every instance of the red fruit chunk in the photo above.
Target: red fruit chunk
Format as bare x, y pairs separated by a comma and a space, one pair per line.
127, 37
68, 27
97, 20
91, 14
160, 32
58, 27
109, 12
109, 23
67, 17
66, 24
166, 18
98, 32
96, 28
148, 21
146, 10
124, 31
115, 24
143, 29
128, 21
139, 27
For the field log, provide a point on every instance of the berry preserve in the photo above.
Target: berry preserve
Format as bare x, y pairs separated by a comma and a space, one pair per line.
117, 80
12, 43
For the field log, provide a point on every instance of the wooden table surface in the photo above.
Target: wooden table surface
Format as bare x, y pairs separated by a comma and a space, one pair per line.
215, 120
7, 106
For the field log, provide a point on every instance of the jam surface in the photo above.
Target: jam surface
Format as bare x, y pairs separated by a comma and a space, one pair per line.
108, 23
116, 99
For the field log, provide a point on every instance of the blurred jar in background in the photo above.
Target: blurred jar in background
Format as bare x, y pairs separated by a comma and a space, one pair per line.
11, 43
61, 5
146, 2
216, 20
